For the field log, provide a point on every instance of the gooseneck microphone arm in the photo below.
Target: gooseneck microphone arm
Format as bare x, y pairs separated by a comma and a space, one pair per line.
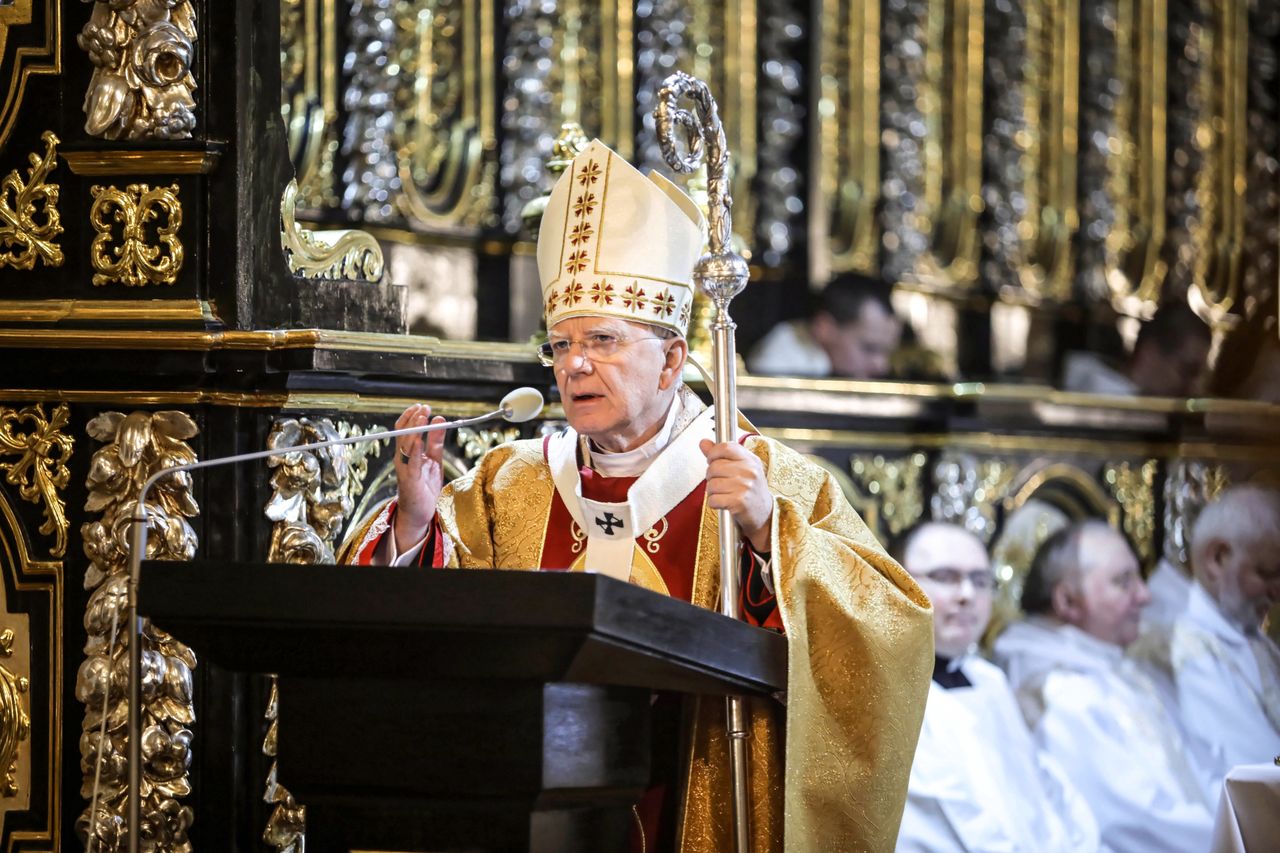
520, 405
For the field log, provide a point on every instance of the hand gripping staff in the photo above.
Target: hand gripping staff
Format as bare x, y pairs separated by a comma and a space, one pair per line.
721, 274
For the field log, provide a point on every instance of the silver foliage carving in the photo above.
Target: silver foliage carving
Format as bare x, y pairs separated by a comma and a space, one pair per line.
780, 206
141, 87
137, 445
904, 128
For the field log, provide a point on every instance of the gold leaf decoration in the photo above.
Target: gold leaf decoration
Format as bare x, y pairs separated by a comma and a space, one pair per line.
132, 259
892, 493
40, 470
341, 254
136, 446
29, 219
1134, 489
15, 723
477, 442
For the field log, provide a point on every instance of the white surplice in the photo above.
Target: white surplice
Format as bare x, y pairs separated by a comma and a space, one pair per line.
978, 782
1227, 683
1098, 714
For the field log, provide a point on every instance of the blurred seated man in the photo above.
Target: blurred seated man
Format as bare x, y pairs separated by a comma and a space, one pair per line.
977, 783
1090, 706
1225, 670
631, 488
852, 334
1169, 359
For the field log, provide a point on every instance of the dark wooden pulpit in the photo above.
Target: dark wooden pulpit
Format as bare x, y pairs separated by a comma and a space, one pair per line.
460, 710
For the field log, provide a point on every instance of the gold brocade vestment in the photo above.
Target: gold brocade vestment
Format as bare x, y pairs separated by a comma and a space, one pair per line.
860, 638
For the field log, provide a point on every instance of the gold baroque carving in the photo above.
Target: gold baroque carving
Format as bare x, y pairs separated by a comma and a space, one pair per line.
24, 235
1134, 489
849, 135
309, 64
40, 470
477, 442
134, 260
345, 254
892, 496
15, 723
312, 496
141, 86
136, 446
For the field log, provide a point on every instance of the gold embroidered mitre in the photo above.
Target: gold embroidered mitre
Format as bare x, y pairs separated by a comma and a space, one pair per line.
616, 243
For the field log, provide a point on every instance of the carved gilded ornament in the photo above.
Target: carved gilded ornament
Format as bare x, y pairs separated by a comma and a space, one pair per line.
132, 258
40, 470
1134, 489
345, 254
29, 218
892, 490
15, 723
141, 86
136, 446
312, 497
477, 442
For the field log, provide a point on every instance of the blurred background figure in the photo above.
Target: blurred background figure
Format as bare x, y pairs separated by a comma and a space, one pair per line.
1224, 668
1169, 359
1093, 708
852, 333
977, 782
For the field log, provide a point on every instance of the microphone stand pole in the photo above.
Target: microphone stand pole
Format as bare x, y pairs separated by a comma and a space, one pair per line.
138, 548
721, 274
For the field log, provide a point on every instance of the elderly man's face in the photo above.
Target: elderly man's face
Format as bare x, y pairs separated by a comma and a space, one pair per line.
616, 396
952, 568
1107, 599
1248, 577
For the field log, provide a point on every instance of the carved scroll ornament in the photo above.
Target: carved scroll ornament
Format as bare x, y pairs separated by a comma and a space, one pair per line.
136, 446
141, 86
29, 219
133, 259
345, 254
40, 470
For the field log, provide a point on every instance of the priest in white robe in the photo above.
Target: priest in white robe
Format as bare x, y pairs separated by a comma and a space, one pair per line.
978, 783
1225, 670
1093, 708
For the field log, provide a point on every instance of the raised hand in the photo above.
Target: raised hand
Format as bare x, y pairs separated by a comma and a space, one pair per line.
419, 476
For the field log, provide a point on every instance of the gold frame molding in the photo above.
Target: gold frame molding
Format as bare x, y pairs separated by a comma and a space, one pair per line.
27, 59
40, 576
100, 163
103, 310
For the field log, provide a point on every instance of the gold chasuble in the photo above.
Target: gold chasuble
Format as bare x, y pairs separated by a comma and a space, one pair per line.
859, 631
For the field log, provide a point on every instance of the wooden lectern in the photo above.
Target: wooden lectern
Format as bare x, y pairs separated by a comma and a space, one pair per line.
434, 710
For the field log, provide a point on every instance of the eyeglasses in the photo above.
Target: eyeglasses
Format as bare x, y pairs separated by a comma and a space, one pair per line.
599, 346
982, 579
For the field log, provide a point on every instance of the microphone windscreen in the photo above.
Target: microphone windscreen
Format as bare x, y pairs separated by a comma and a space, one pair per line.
521, 404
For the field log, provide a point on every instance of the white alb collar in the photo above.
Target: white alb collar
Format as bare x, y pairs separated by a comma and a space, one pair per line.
633, 463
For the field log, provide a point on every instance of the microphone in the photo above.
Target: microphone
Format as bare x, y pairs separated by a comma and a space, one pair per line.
518, 406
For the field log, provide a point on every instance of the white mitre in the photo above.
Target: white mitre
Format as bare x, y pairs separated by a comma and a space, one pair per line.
615, 243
